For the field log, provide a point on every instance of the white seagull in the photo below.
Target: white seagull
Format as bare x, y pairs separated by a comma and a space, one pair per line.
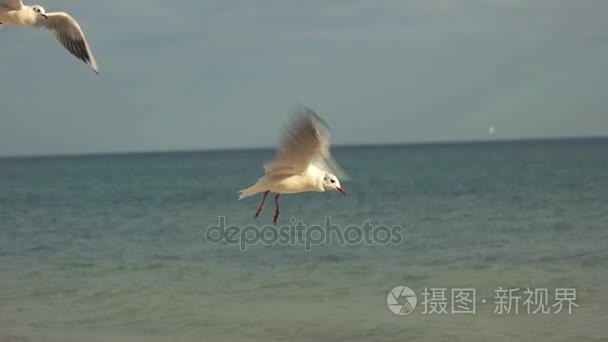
302, 163
63, 26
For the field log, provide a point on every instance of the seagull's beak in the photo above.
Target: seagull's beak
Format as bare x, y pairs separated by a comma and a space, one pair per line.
342, 191
44, 15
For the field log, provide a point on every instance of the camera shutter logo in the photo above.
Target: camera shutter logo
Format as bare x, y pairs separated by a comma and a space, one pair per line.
401, 300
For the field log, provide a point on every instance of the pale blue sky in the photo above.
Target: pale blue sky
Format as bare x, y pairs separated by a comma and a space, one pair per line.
224, 74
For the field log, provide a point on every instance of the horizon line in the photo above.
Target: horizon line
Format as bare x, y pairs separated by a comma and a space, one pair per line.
338, 146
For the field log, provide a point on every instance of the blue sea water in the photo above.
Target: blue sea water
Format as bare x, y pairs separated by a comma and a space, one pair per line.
113, 248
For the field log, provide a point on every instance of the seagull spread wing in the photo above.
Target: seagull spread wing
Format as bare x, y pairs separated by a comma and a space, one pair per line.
12, 4
68, 33
305, 141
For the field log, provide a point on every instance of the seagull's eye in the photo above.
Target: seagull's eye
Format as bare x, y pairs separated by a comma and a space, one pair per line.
333, 181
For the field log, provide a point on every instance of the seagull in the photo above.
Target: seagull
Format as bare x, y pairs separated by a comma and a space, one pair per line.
64, 27
302, 163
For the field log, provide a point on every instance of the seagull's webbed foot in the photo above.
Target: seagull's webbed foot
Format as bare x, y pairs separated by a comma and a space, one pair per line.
275, 218
261, 207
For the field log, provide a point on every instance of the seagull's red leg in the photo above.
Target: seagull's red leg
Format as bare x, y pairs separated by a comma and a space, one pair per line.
276, 209
261, 207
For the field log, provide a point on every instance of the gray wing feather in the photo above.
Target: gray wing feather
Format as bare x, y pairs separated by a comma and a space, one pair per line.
305, 141
67, 31
12, 4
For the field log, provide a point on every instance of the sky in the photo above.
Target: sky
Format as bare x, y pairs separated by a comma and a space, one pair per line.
215, 74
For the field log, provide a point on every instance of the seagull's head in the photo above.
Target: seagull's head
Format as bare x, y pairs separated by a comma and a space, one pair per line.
39, 10
331, 183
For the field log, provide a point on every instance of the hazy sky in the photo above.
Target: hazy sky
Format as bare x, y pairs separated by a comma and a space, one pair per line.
225, 73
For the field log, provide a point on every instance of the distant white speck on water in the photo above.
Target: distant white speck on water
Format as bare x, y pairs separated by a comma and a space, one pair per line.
491, 130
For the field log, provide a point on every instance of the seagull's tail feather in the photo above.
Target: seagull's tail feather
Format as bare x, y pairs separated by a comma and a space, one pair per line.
250, 191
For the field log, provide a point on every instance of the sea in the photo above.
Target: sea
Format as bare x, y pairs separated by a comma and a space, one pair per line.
498, 241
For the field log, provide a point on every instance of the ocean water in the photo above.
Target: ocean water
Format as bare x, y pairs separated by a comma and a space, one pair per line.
113, 248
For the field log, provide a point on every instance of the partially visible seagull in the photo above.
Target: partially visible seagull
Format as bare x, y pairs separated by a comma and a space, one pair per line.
63, 26
302, 163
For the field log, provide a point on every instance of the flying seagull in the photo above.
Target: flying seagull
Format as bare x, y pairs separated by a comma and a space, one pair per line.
302, 163
63, 26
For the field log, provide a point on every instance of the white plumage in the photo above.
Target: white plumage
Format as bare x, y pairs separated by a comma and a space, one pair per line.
65, 28
303, 162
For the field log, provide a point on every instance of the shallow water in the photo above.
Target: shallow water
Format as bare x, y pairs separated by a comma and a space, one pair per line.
112, 248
